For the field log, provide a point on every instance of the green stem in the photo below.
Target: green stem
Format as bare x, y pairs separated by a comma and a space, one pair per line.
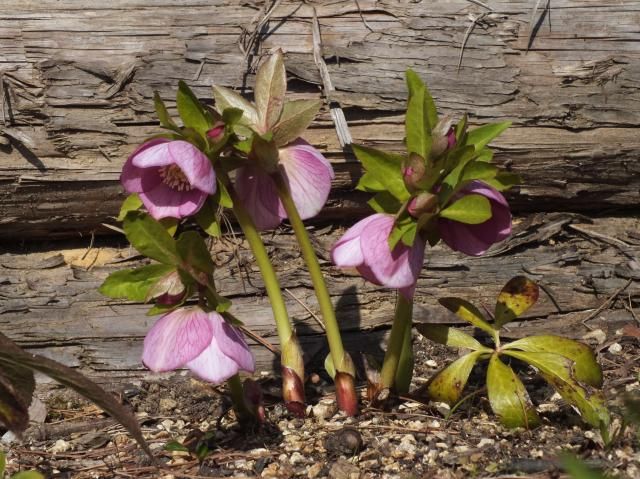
280, 314
401, 323
404, 373
319, 285
237, 397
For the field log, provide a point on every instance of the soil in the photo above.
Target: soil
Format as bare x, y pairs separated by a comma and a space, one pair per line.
411, 438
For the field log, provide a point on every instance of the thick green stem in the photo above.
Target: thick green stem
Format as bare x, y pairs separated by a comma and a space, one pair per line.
404, 373
319, 285
237, 397
401, 323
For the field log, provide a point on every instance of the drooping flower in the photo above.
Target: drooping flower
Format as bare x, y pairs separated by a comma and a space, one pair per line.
308, 174
172, 178
365, 247
203, 342
474, 240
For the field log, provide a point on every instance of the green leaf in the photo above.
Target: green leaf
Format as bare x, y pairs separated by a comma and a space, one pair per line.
480, 137
131, 203
11, 354
455, 163
470, 209
191, 110
448, 384
329, 367
406, 227
175, 446
231, 116
516, 297
194, 252
577, 469
369, 183
221, 303
162, 309
508, 397
468, 312
266, 153
417, 122
226, 98
478, 170
585, 367
27, 475
222, 196
386, 168
3, 463
296, 117
150, 237
170, 225
133, 284
207, 219
558, 372
16, 391
485, 155
504, 180
385, 202
270, 90
449, 336
163, 115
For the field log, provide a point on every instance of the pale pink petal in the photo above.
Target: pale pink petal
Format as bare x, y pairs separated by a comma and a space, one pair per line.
165, 202
309, 175
194, 164
156, 154
347, 252
395, 269
232, 343
136, 180
258, 194
213, 365
176, 338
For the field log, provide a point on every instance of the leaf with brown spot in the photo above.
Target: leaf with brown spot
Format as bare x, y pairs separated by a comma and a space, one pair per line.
448, 384
270, 90
517, 296
467, 311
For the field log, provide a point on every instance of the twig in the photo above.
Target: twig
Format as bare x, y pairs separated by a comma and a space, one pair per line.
630, 308
551, 297
621, 245
93, 237
259, 339
532, 26
474, 22
605, 305
362, 17
482, 4
315, 316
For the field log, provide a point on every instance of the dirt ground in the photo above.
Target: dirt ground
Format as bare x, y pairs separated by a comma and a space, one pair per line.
410, 439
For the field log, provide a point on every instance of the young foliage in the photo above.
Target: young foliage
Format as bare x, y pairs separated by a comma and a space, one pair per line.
569, 366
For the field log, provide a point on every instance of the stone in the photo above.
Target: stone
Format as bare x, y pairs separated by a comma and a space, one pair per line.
343, 469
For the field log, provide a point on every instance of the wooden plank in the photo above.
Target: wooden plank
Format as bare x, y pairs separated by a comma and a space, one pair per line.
49, 302
77, 85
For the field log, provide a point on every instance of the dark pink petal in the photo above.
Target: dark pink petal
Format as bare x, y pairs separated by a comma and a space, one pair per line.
309, 175
176, 338
395, 269
258, 194
165, 202
232, 343
347, 253
194, 164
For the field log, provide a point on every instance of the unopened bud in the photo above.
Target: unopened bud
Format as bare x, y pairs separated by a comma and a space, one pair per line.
253, 399
421, 204
167, 290
216, 133
346, 393
293, 392
443, 137
413, 171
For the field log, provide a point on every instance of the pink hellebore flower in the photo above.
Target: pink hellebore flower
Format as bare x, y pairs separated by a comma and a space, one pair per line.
365, 247
204, 342
474, 240
309, 175
172, 178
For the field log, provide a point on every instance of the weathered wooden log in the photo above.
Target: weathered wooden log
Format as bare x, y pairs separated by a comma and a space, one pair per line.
76, 86
50, 302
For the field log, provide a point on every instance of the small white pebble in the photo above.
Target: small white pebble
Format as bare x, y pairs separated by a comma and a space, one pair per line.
615, 348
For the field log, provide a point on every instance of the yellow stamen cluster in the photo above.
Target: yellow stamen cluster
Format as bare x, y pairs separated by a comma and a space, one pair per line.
173, 177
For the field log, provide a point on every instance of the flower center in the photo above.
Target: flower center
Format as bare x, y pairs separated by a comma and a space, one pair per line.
173, 177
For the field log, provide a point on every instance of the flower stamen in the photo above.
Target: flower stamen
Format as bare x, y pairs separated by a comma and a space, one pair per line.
173, 177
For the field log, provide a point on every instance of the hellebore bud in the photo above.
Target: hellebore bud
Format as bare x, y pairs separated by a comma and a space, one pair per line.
413, 171
253, 399
443, 136
167, 290
216, 133
293, 376
421, 204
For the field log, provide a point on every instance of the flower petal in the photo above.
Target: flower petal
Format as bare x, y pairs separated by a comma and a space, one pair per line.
163, 202
213, 365
395, 269
194, 164
258, 194
309, 175
176, 338
480, 188
232, 343
347, 252
135, 179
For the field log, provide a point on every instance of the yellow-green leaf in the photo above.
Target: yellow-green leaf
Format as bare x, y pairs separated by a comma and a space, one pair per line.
270, 90
449, 336
517, 296
470, 209
467, 311
448, 384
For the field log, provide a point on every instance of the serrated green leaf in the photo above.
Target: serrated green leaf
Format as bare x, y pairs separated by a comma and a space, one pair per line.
191, 111
585, 367
27, 475
449, 336
13, 355
482, 136
207, 218
150, 237
163, 115
131, 203
296, 117
369, 183
385, 202
508, 397
270, 90
516, 297
226, 98
133, 284
470, 209
386, 168
194, 252
558, 372
468, 312
448, 384
417, 121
